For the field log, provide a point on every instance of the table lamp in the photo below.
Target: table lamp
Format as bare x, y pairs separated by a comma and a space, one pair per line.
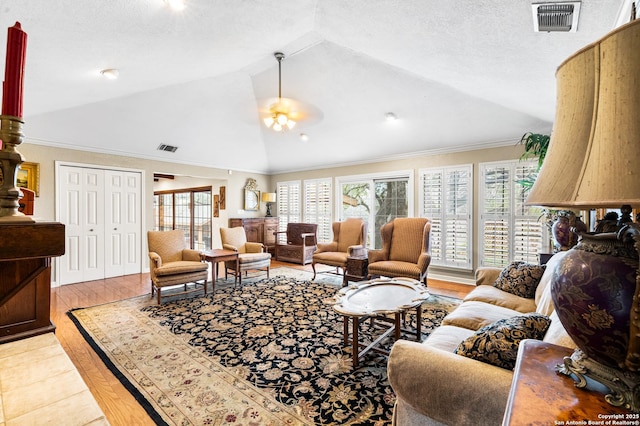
593, 161
269, 198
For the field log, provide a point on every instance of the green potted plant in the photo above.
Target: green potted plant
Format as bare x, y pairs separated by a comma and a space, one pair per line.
535, 146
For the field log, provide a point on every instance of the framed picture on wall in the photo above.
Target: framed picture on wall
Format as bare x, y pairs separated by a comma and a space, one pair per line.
223, 198
216, 205
29, 177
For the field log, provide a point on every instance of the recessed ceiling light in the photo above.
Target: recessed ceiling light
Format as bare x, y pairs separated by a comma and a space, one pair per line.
176, 4
304, 137
110, 73
391, 116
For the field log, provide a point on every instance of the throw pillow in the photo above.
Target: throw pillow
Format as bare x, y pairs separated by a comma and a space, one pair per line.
520, 278
497, 343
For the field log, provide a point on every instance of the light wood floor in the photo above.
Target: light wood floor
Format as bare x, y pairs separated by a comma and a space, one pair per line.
116, 402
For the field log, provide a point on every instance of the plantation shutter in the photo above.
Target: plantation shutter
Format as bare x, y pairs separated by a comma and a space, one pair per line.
446, 201
509, 229
317, 206
289, 201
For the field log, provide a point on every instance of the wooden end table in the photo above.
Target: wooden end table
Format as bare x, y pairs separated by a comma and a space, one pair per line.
215, 257
357, 268
376, 299
541, 396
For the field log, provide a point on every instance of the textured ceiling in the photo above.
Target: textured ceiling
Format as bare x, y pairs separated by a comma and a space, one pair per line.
459, 75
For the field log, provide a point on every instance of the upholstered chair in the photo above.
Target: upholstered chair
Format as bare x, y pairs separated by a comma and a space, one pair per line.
349, 239
251, 256
405, 250
172, 263
299, 245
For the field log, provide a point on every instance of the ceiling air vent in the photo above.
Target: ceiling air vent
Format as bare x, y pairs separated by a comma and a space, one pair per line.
168, 148
562, 17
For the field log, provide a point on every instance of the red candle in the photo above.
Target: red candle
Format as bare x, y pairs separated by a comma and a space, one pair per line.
14, 71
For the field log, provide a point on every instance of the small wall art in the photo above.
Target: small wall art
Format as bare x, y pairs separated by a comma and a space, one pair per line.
223, 198
29, 177
216, 205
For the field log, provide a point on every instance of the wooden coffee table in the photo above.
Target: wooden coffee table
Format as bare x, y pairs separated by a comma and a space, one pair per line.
376, 299
215, 257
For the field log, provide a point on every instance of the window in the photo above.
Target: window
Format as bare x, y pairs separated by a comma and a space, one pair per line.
317, 206
289, 204
509, 230
377, 199
186, 209
446, 200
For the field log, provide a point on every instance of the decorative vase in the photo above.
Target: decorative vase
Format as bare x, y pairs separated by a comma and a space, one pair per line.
592, 290
565, 230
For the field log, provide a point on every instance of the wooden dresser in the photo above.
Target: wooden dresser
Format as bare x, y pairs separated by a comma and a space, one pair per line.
258, 229
26, 250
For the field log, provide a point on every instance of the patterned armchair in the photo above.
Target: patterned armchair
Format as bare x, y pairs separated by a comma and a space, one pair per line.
172, 263
349, 239
250, 255
300, 244
405, 249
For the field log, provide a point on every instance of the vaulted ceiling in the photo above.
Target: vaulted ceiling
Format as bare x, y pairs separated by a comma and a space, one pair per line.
459, 75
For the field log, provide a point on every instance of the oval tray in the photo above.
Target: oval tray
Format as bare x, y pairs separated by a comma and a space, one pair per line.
379, 297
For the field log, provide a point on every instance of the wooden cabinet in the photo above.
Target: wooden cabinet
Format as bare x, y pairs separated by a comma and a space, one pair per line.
258, 229
25, 277
357, 267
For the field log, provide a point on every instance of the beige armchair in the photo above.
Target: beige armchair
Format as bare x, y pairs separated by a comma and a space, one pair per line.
349, 239
250, 255
172, 263
405, 250
300, 244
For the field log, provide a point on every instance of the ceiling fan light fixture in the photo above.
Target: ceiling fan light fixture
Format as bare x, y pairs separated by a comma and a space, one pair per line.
278, 118
110, 73
282, 118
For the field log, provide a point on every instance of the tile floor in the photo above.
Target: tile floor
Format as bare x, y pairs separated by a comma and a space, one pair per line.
39, 385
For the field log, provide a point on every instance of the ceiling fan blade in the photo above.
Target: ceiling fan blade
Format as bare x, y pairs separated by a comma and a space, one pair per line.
297, 110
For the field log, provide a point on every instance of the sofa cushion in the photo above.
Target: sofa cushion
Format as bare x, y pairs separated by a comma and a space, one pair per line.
447, 337
520, 278
556, 333
543, 292
475, 315
497, 343
495, 296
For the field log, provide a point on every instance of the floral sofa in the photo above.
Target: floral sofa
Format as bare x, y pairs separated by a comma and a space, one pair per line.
459, 375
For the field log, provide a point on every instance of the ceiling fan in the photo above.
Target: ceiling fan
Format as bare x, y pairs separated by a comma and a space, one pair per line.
282, 114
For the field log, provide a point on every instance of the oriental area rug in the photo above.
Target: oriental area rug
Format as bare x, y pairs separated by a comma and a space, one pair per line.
269, 352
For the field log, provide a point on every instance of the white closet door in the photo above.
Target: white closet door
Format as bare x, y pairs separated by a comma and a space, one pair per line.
122, 223
102, 211
82, 211
133, 222
114, 228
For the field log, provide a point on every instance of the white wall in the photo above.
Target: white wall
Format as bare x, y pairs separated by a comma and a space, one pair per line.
235, 182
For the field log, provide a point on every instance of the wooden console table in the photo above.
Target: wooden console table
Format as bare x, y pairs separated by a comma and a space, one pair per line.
26, 250
258, 229
540, 396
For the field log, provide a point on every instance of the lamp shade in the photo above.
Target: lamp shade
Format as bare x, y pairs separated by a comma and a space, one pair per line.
594, 152
268, 197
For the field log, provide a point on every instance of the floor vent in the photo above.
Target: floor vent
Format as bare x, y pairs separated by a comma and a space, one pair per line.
168, 148
554, 17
